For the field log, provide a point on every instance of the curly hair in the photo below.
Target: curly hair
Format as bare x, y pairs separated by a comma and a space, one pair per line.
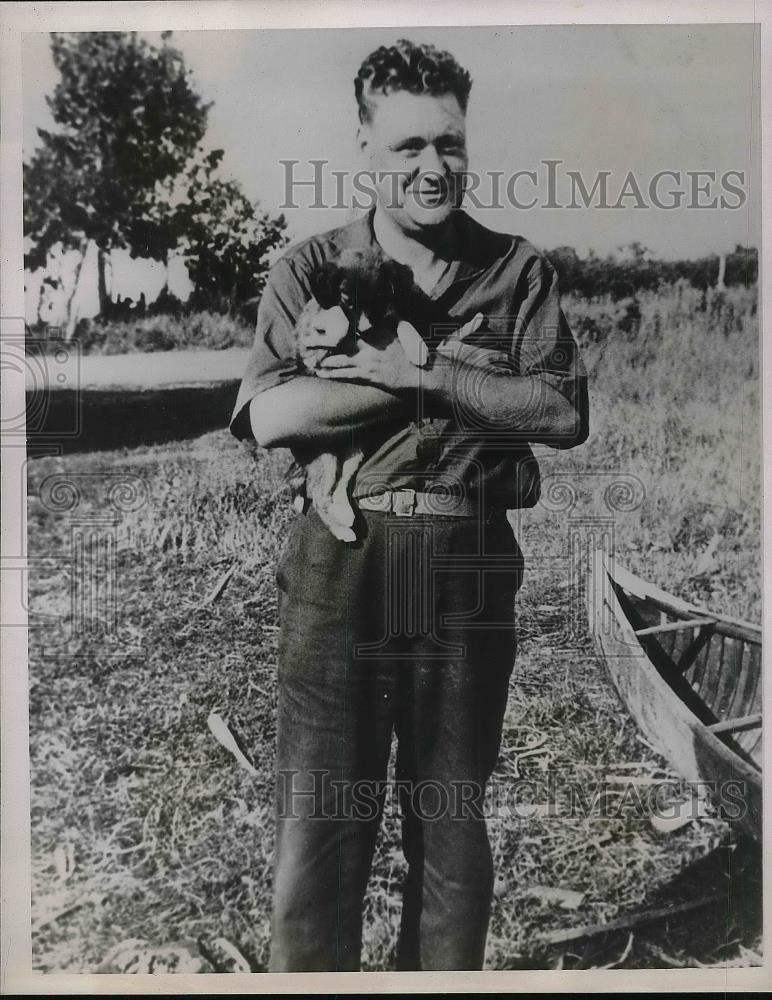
419, 69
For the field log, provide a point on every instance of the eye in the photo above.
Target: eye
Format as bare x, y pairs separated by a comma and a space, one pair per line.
409, 147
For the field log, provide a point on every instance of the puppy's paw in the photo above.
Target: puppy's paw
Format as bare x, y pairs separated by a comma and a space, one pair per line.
342, 511
413, 344
343, 533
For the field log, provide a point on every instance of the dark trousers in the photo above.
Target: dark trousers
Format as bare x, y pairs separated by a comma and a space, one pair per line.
409, 630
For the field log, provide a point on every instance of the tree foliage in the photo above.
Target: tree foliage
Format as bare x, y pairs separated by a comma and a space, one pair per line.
224, 237
127, 120
639, 270
125, 166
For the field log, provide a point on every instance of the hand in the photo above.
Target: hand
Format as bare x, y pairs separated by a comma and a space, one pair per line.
385, 367
455, 349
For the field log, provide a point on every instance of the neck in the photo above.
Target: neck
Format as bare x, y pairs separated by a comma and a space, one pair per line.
422, 248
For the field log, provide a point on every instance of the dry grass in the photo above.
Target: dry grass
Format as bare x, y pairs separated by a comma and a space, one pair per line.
164, 332
144, 827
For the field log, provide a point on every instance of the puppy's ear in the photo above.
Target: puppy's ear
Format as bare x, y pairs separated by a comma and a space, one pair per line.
395, 280
325, 284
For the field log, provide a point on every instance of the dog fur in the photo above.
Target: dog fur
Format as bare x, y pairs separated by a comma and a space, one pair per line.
358, 294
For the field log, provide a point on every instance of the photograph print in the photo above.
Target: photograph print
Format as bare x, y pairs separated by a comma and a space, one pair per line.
393, 498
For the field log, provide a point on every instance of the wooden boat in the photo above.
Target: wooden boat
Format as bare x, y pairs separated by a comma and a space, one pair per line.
690, 678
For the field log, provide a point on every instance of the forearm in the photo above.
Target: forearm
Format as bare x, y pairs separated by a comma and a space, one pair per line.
526, 405
306, 412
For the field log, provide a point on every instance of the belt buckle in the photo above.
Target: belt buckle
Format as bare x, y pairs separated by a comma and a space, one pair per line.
403, 502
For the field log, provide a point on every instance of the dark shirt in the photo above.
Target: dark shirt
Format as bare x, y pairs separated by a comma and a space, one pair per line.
525, 333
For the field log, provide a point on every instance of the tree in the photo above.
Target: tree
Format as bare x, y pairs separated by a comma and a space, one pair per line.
127, 120
126, 168
224, 237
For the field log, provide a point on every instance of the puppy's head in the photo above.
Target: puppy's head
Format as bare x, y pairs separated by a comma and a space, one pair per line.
362, 282
326, 282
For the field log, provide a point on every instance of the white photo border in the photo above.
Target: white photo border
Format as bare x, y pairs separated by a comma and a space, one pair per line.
16, 18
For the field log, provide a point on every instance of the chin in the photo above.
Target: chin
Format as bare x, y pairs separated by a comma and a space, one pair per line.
429, 218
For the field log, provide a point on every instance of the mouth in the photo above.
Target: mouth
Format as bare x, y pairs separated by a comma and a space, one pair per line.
429, 197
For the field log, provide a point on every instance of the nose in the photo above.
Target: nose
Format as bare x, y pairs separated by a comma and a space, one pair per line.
431, 161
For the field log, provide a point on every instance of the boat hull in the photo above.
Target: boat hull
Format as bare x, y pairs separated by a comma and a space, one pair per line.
667, 703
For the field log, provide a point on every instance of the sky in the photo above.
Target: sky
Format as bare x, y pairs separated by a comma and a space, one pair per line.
641, 98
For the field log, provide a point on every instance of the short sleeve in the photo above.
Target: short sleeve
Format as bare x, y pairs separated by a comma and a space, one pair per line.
545, 347
273, 358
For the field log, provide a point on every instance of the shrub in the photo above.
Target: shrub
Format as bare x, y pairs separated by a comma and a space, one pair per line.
624, 277
187, 331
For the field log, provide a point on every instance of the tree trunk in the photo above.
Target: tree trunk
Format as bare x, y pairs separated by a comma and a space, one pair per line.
104, 301
41, 289
720, 285
72, 317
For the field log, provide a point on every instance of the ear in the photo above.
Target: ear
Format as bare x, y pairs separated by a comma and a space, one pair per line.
325, 284
396, 280
363, 138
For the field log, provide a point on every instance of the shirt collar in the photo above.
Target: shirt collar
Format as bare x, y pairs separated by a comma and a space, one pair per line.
480, 247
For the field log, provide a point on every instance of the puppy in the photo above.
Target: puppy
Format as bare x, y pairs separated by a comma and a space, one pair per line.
356, 295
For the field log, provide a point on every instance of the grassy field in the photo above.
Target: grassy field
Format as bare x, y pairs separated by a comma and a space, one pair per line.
162, 332
144, 828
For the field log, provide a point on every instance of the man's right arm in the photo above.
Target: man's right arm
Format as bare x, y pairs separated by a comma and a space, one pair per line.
307, 412
278, 403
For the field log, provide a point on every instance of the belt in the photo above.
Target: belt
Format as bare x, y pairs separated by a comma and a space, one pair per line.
409, 503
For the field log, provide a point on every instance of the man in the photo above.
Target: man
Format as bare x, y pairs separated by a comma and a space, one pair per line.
411, 629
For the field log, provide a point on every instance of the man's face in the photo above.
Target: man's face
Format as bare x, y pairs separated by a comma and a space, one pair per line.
418, 143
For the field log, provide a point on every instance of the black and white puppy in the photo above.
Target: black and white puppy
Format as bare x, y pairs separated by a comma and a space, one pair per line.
357, 294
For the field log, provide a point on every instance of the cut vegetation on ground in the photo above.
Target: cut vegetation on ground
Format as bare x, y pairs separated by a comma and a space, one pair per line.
146, 830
